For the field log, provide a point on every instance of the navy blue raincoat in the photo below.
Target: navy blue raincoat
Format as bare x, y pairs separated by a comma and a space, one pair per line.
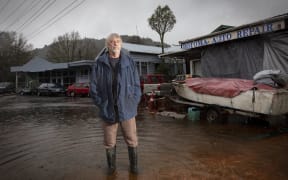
128, 87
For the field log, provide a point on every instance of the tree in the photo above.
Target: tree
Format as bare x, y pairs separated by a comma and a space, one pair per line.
64, 48
14, 51
89, 48
162, 21
70, 47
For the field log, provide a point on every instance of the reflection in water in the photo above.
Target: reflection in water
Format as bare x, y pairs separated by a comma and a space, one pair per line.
61, 138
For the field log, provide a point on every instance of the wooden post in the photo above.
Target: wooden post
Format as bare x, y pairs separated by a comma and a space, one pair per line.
16, 82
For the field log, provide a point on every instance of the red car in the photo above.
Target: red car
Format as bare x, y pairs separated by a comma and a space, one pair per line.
78, 89
151, 82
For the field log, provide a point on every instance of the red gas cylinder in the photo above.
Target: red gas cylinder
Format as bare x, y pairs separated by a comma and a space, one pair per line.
151, 102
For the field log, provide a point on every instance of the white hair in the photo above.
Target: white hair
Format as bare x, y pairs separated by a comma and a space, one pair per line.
112, 36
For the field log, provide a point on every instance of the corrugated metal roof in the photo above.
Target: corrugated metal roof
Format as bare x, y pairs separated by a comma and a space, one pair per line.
81, 63
141, 48
173, 49
38, 64
140, 53
139, 57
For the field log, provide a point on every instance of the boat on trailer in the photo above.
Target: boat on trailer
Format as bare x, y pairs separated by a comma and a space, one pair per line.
231, 95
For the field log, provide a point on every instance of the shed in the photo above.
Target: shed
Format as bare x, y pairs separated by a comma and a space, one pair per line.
237, 52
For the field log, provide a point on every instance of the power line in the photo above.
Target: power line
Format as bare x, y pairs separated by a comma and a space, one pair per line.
12, 12
23, 14
55, 18
36, 9
39, 31
36, 15
6, 4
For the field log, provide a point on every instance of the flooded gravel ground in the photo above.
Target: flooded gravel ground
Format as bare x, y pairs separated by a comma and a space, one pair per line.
51, 138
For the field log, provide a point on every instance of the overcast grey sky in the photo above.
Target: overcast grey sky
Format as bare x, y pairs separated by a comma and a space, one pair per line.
41, 21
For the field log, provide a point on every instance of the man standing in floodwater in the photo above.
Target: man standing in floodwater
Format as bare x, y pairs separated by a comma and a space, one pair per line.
115, 89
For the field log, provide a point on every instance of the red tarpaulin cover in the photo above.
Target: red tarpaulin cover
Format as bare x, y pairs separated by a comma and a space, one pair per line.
226, 87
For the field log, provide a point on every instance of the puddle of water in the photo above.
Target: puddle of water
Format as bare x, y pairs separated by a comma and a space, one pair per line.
60, 138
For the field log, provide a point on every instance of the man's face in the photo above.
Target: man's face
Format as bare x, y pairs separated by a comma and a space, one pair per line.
115, 45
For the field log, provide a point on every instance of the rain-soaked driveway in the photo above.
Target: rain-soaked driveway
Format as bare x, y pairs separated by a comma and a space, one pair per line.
50, 138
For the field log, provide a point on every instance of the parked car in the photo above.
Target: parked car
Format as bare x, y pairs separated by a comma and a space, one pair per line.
7, 87
30, 89
50, 89
78, 89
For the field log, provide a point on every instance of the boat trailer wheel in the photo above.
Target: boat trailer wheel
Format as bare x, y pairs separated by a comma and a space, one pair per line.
212, 115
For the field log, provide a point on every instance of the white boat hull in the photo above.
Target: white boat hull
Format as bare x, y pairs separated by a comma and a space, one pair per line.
259, 101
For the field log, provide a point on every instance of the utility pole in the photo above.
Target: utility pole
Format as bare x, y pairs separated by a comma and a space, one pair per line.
137, 32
